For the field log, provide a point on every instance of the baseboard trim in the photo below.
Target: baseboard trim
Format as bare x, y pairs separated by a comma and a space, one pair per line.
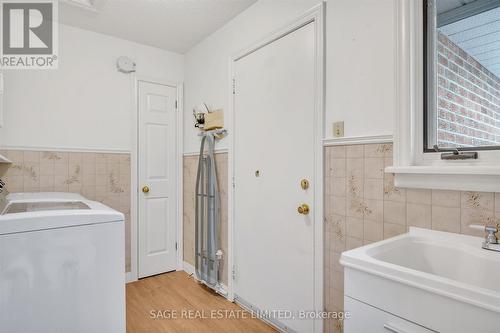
129, 277
357, 140
189, 269
270, 321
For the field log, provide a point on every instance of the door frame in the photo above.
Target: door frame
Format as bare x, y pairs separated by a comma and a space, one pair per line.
315, 14
134, 184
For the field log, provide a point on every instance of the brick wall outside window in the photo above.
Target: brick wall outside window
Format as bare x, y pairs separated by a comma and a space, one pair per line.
468, 99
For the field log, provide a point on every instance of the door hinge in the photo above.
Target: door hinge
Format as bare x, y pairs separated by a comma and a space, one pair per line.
176, 246
176, 104
233, 183
233, 273
234, 86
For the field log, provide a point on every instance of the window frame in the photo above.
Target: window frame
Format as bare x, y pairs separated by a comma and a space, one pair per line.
430, 111
413, 167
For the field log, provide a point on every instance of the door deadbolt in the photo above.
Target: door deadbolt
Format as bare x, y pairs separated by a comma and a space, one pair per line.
145, 189
304, 183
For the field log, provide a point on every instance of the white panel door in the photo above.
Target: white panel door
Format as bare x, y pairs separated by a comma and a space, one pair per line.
156, 178
273, 151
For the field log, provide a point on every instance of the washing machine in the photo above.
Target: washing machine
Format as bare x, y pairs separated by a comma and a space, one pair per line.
62, 265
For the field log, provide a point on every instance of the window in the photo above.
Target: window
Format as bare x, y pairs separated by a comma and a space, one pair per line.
447, 133
461, 60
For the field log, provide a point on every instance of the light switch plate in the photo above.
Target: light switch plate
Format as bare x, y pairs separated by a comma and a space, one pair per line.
338, 129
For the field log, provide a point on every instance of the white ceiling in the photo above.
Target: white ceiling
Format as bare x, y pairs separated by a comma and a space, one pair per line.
174, 25
479, 36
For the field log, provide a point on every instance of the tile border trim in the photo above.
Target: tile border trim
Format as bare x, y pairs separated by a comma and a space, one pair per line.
357, 140
66, 149
197, 153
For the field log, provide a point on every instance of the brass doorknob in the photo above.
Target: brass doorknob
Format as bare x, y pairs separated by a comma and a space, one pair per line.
145, 189
303, 209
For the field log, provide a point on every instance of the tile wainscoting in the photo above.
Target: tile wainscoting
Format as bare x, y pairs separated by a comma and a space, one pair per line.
363, 206
103, 177
189, 187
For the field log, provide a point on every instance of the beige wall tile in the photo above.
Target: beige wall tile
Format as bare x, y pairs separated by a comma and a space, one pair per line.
15, 183
75, 158
371, 217
446, 198
476, 216
395, 212
32, 156
47, 181
446, 219
391, 230
373, 230
89, 158
374, 168
419, 196
392, 193
74, 172
388, 162
419, 215
355, 207
101, 158
337, 152
374, 189
478, 200
338, 187
351, 243
374, 210
61, 169
354, 227
338, 167
355, 168
89, 169
355, 151
337, 235
101, 168
338, 205
355, 186
16, 169
16, 156
378, 150
335, 264
47, 168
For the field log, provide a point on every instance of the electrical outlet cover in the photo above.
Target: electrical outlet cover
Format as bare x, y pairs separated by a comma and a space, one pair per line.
338, 129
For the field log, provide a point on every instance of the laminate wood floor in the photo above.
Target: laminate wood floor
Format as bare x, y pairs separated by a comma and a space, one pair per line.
175, 302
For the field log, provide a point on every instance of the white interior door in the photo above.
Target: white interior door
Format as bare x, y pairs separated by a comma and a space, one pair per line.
156, 178
274, 141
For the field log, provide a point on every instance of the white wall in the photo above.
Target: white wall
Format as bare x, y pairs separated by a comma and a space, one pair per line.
360, 68
359, 63
86, 103
207, 64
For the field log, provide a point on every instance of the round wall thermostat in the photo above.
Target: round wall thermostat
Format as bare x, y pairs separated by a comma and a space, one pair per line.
125, 65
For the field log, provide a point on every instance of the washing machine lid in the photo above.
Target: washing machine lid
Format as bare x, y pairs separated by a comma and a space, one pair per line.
24, 212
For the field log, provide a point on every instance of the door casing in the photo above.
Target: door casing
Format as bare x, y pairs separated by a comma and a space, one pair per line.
315, 14
134, 188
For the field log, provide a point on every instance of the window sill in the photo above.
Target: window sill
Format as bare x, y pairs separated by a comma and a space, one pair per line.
461, 178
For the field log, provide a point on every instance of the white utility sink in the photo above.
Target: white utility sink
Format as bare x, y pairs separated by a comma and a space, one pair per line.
441, 281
